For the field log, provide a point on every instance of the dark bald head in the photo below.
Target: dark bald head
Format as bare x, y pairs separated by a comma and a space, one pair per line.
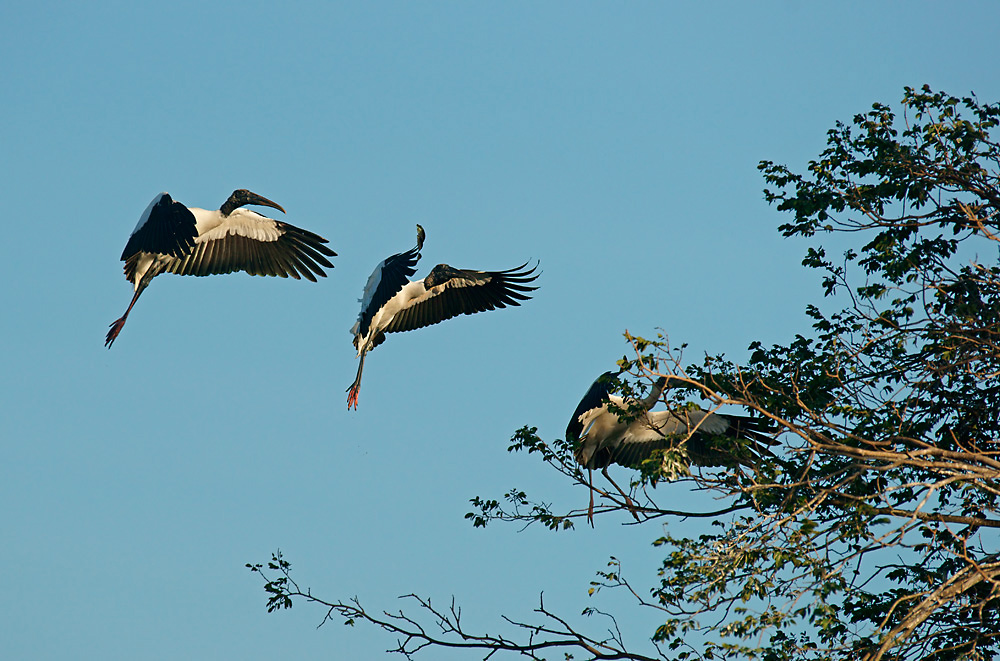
243, 197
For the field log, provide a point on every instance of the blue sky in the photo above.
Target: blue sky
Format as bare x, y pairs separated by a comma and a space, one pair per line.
616, 143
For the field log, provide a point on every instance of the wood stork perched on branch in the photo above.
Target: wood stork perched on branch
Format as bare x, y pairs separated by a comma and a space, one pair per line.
190, 241
602, 437
391, 303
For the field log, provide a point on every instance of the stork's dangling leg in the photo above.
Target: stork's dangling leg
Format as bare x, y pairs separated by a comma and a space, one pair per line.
628, 501
632, 507
355, 389
116, 326
590, 483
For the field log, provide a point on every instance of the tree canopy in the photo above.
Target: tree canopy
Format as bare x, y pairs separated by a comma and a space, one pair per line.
870, 530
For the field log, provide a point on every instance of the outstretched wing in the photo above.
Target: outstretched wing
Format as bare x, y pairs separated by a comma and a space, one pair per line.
248, 241
165, 227
449, 292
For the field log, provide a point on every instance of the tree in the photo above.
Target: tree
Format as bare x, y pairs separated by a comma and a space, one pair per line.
872, 531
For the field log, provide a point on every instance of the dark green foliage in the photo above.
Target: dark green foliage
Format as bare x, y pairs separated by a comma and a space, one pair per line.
873, 534
894, 401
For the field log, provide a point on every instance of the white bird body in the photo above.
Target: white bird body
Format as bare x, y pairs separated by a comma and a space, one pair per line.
391, 303
173, 238
384, 315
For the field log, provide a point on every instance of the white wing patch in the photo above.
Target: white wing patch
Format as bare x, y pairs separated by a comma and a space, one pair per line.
458, 283
667, 423
242, 222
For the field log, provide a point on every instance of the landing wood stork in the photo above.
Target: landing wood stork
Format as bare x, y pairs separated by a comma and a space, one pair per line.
173, 238
392, 303
602, 437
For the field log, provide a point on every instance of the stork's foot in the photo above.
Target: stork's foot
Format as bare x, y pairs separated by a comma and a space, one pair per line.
352, 396
116, 328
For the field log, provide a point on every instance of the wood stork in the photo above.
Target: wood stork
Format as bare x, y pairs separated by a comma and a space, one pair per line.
391, 303
602, 437
190, 241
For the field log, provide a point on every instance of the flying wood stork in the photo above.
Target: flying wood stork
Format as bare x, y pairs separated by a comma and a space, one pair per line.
191, 241
602, 437
391, 303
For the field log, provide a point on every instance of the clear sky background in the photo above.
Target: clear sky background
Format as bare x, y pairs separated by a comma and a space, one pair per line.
617, 143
